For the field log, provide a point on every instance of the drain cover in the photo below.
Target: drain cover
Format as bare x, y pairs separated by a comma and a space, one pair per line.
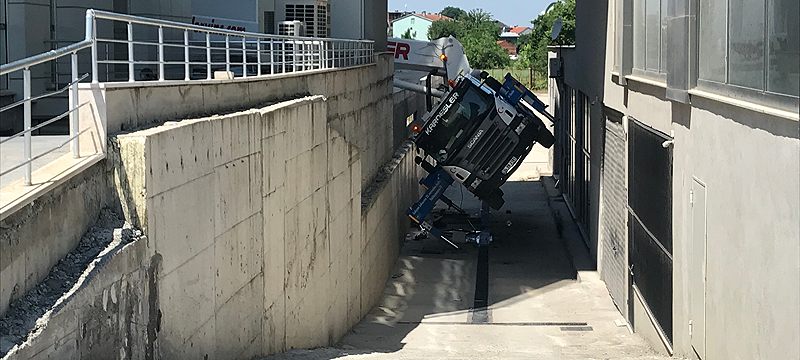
576, 328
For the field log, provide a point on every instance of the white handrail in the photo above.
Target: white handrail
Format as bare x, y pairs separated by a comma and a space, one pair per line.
266, 54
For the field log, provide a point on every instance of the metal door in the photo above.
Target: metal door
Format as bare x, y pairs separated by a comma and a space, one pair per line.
613, 224
697, 271
650, 222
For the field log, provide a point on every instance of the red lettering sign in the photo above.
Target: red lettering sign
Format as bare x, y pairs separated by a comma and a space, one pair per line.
399, 49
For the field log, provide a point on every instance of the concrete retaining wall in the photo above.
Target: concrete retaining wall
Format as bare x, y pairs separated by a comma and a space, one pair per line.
35, 237
359, 100
258, 238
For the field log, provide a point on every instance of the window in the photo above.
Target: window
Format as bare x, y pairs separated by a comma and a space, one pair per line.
649, 36
755, 46
269, 22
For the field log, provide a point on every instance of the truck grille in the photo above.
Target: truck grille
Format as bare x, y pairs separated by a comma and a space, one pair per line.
488, 154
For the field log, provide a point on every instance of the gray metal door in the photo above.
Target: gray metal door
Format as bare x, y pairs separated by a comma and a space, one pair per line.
613, 224
697, 272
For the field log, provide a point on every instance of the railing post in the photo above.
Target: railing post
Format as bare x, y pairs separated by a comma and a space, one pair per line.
26, 95
227, 53
271, 56
244, 56
131, 76
303, 54
283, 55
320, 53
325, 49
160, 53
186, 55
258, 56
208, 56
294, 55
95, 70
74, 116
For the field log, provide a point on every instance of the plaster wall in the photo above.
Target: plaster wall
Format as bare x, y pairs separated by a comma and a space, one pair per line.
749, 162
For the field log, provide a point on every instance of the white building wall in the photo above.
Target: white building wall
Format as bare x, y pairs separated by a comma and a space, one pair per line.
749, 162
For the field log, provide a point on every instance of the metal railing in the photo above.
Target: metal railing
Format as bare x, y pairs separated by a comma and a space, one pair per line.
161, 50
25, 65
179, 51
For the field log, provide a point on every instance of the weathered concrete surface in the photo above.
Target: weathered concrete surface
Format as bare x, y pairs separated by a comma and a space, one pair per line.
427, 306
358, 99
258, 239
67, 306
35, 237
408, 106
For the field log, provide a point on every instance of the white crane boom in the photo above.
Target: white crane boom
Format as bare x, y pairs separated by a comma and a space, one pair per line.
415, 59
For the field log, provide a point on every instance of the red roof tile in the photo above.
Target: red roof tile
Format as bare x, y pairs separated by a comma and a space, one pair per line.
518, 29
510, 48
434, 17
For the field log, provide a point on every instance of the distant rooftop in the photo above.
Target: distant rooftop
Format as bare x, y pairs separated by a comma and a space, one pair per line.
519, 29
424, 15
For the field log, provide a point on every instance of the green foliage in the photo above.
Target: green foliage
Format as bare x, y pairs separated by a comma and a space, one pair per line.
453, 12
478, 17
524, 57
478, 34
533, 47
532, 80
445, 28
408, 34
483, 52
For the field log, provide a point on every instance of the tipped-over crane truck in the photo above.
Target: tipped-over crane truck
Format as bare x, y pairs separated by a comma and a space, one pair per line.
477, 135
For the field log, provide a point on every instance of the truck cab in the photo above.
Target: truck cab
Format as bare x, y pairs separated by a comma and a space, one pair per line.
481, 132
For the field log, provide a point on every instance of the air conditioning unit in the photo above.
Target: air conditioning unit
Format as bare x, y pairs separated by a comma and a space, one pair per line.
314, 14
291, 28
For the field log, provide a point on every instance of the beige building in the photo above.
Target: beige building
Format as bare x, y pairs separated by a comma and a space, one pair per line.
678, 153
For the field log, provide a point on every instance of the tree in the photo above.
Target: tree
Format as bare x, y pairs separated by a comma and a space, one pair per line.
478, 34
408, 34
445, 28
453, 12
534, 46
478, 18
484, 53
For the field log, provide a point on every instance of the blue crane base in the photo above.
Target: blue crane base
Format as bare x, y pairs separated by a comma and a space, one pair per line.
436, 183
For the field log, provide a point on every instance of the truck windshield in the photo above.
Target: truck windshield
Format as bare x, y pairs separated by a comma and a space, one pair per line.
473, 106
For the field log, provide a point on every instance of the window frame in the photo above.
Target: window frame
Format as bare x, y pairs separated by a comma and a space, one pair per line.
682, 82
661, 74
757, 96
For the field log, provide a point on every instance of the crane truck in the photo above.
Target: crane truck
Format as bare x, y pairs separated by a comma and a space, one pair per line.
479, 132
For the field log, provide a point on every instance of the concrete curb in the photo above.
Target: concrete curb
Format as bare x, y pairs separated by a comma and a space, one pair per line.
568, 230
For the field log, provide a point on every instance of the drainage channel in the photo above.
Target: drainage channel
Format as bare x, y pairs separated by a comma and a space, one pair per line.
480, 313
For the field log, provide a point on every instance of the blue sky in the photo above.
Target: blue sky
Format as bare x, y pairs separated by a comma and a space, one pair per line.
511, 12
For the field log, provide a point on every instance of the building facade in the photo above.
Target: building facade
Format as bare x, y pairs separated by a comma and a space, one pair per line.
679, 155
415, 25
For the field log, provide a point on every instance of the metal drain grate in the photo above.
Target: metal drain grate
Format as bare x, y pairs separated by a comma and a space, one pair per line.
576, 328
